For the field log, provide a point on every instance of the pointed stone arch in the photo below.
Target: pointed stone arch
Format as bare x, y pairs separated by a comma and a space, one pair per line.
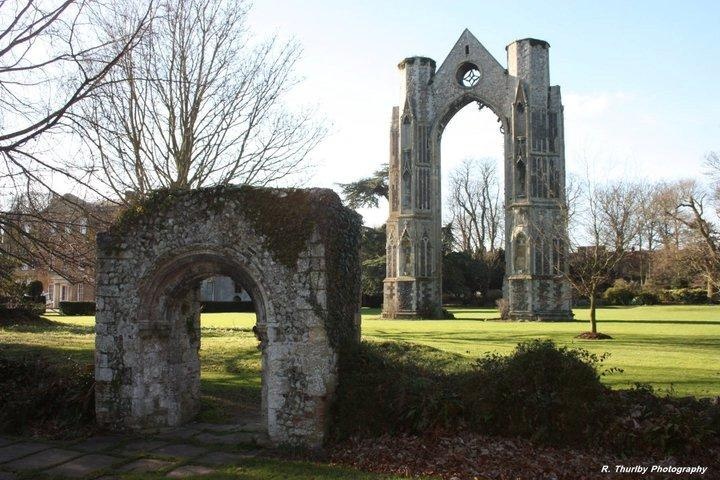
529, 112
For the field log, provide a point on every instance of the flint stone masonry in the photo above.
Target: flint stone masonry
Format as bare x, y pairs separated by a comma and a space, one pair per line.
530, 115
296, 252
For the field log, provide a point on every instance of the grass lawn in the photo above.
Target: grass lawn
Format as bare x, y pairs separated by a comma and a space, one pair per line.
673, 348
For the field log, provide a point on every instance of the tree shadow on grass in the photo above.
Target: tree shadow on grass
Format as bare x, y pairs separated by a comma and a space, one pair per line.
660, 322
51, 354
232, 389
50, 326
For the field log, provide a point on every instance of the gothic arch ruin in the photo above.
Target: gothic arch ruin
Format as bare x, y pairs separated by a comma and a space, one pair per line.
295, 251
530, 113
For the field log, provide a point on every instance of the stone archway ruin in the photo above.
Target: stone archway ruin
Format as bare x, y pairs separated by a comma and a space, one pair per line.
531, 116
296, 251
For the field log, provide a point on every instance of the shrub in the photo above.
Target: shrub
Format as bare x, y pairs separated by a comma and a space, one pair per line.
221, 307
683, 296
25, 314
372, 301
77, 308
37, 396
447, 314
621, 293
646, 298
547, 393
393, 388
689, 296
491, 297
540, 391
34, 289
646, 423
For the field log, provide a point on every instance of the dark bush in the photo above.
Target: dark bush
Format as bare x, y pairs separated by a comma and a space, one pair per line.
77, 308
372, 301
541, 391
222, 307
40, 397
643, 422
491, 297
393, 388
549, 393
646, 298
34, 289
621, 294
23, 313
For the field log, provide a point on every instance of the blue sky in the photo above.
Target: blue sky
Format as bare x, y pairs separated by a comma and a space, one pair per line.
638, 78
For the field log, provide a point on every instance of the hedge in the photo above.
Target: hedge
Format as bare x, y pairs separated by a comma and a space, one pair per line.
77, 308
220, 307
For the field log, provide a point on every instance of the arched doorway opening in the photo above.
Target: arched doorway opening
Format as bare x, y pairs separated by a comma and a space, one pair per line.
216, 360
471, 165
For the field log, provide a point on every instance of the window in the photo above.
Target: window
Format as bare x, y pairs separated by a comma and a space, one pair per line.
80, 292
63, 293
406, 260
468, 75
559, 256
392, 258
520, 178
406, 185
51, 289
520, 260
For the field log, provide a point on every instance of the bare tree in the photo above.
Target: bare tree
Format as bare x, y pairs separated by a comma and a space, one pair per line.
196, 104
475, 207
611, 225
691, 205
619, 206
51, 60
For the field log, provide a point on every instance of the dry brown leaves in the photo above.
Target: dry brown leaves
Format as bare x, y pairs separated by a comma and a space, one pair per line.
470, 456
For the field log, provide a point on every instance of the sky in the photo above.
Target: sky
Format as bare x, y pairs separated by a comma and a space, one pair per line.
638, 78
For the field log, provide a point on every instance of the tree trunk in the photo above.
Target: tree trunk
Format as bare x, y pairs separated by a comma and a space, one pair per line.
593, 322
710, 290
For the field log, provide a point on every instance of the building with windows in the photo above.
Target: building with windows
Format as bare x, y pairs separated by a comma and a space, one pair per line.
56, 244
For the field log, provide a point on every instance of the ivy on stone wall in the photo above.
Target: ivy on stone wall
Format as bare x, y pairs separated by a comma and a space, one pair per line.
286, 219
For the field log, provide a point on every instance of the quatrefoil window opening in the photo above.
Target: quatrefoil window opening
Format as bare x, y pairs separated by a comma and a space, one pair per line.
468, 75
471, 78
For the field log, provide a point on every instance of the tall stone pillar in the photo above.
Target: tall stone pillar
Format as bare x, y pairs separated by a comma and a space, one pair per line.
412, 286
536, 231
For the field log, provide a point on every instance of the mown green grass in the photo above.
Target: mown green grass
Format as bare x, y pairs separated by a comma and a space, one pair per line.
673, 348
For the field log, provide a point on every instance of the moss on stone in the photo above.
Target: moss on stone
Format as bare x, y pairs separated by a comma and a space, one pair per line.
286, 219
